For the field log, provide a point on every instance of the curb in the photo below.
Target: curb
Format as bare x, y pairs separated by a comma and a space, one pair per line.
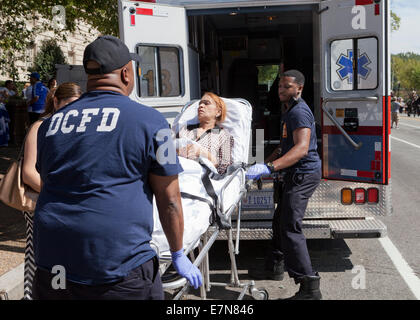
11, 284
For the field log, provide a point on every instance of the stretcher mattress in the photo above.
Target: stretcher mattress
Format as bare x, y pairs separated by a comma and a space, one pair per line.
197, 213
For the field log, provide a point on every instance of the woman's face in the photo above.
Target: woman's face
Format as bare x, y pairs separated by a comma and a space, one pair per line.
207, 109
53, 84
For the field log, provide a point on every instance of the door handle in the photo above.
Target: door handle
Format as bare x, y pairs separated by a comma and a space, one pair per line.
356, 145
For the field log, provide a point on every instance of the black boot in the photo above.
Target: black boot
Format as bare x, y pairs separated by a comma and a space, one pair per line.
273, 270
309, 288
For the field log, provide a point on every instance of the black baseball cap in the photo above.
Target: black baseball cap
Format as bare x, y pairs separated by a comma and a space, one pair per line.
109, 52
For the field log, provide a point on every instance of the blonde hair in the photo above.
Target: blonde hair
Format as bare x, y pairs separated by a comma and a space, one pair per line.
220, 104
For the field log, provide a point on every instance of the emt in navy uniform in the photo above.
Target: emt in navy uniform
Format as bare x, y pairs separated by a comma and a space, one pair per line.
300, 161
99, 164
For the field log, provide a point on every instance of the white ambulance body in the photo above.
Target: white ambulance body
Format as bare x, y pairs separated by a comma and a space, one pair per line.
230, 48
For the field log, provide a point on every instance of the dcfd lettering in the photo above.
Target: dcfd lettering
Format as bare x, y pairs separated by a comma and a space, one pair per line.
67, 122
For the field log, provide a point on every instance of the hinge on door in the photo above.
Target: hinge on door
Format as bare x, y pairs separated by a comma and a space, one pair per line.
322, 10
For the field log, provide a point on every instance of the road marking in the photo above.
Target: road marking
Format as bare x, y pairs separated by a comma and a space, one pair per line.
402, 266
409, 125
411, 144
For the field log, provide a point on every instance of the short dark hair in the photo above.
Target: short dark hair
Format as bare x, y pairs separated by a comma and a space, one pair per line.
299, 77
7, 82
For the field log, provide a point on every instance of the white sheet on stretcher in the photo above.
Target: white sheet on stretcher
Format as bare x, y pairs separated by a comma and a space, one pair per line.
196, 213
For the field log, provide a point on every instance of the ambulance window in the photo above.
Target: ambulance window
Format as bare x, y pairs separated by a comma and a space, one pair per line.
169, 75
343, 64
159, 72
368, 63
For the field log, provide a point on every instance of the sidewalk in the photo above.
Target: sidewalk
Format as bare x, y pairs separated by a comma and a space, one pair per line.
12, 236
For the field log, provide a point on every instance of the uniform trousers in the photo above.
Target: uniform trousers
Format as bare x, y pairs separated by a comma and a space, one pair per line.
288, 242
141, 283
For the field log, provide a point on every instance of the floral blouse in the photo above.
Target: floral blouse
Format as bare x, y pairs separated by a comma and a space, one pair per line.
217, 141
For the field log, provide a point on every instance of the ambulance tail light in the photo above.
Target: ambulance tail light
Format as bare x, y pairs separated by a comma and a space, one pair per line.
359, 196
373, 196
346, 196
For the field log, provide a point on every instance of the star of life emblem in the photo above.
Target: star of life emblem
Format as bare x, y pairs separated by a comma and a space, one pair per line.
345, 62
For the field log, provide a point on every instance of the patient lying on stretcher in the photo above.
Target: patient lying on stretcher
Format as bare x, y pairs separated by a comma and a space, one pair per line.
213, 144
207, 138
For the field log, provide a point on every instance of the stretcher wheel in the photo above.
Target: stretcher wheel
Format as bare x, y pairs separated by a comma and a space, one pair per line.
259, 294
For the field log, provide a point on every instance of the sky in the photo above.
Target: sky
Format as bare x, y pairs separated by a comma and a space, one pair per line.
407, 38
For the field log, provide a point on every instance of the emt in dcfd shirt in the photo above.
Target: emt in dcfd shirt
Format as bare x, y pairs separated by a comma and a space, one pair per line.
98, 158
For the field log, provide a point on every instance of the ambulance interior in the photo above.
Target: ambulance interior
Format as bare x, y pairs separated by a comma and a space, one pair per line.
241, 51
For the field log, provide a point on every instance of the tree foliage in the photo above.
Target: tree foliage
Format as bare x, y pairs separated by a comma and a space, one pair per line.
395, 21
406, 71
46, 59
16, 35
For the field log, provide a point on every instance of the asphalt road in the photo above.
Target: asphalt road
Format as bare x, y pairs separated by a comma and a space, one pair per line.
353, 269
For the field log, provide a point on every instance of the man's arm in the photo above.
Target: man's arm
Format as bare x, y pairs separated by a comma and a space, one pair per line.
33, 100
301, 139
274, 155
168, 201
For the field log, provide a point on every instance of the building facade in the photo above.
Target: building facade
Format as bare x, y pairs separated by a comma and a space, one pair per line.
72, 48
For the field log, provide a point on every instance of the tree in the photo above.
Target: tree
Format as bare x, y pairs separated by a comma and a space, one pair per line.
406, 71
16, 35
395, 21
45, 61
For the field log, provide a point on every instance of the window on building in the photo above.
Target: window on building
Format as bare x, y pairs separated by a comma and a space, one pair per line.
159, 73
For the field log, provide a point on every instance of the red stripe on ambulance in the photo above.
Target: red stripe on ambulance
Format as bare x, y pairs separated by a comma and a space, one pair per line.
145, 12
362, 131
365, 174
363, 2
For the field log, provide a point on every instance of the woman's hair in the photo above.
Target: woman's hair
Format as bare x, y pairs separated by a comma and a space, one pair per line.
49, 103
220, 104
62, 92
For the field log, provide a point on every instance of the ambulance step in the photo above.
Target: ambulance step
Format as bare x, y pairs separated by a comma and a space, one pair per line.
316, 229
366, 228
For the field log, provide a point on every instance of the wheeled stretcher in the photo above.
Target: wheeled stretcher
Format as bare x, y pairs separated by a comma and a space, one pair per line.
209, 200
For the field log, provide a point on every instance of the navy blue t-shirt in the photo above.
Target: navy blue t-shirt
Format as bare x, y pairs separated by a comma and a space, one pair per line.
300, 116
94, 213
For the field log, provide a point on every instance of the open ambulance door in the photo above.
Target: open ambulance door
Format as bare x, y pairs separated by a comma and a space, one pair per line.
168, 75
355, 90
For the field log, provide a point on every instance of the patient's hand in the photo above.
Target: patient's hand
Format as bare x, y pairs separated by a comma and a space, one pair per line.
191, 151
194, 151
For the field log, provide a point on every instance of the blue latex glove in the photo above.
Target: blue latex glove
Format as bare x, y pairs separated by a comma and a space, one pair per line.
186, 269
257, 170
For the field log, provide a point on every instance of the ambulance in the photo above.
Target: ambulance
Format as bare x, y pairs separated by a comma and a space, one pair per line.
237, 49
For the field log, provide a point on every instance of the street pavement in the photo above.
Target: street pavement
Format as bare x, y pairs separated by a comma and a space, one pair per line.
12, 223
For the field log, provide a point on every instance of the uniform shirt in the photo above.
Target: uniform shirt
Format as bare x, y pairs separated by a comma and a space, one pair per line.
41, 91
300, 116
94, 213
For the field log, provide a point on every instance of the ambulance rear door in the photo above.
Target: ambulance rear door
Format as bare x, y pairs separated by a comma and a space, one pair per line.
355, 90
168, 75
